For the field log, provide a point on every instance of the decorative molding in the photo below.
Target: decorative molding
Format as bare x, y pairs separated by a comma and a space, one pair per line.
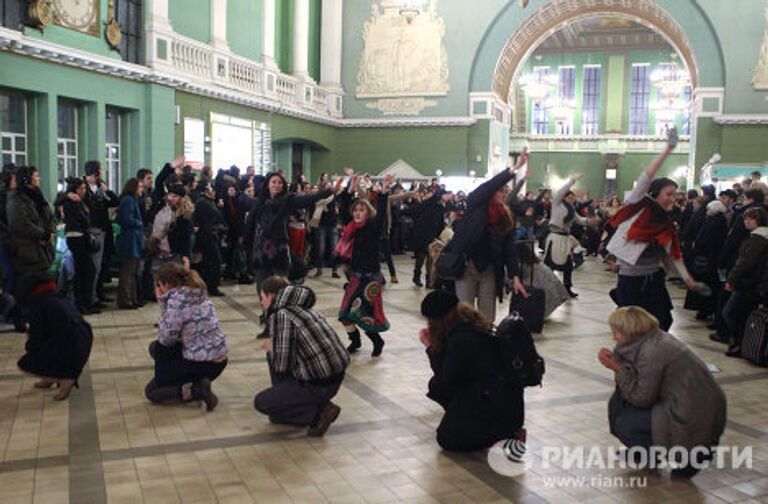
605, 144
741, 119
407, 122
701, 94
493, 108
556, 14
401, 106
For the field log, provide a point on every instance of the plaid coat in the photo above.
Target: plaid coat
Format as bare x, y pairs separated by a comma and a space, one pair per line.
303, 343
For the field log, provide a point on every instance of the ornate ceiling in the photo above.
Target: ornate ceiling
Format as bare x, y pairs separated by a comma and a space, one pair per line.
602, 33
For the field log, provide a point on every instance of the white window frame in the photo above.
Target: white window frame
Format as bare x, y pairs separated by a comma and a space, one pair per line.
14, 137
112, 161
69, 151
585, 129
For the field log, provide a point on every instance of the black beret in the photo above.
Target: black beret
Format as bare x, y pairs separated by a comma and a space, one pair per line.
438, 303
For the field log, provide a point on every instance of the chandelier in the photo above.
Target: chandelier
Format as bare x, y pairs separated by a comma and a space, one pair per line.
668, 109
562, 109
538, 85
670, 79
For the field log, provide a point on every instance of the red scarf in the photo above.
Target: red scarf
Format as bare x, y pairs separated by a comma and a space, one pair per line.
347, 241
496, 211
648, 228
43, 288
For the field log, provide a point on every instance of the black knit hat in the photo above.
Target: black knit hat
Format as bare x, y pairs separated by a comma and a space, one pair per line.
438, 303
178, 189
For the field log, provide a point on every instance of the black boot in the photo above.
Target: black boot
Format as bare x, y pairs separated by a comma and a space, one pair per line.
571, 293
378, 343
417, 279
201, 391
354, 338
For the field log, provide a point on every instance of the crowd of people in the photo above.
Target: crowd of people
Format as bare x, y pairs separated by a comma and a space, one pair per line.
184, 231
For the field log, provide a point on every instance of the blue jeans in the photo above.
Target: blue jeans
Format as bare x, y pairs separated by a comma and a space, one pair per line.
735, 313
325, 239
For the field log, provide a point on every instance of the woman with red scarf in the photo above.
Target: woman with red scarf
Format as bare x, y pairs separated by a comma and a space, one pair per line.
363, 304
485, 235
646, 244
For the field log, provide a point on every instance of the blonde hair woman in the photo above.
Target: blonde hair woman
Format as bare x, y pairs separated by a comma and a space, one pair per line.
665, 395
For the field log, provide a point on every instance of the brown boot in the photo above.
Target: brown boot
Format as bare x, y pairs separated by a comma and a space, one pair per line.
65, 387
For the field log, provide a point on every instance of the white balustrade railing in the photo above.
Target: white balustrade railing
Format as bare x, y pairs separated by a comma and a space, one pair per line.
191, 58
246, 75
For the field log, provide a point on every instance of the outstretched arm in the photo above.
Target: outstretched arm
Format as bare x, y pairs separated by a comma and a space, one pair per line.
652, 168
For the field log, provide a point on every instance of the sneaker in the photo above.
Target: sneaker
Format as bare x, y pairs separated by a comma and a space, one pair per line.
206, 394
324, 420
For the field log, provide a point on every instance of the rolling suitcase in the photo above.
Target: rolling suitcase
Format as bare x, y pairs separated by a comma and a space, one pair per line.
530, 308
754, 344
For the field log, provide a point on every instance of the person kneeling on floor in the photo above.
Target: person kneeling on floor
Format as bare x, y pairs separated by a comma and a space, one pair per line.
306, 359
483, 403
665, 396
191, 350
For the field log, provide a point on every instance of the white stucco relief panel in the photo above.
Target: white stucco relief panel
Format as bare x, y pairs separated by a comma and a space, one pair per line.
404, 56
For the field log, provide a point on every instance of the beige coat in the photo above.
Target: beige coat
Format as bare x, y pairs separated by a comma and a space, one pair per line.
660, 371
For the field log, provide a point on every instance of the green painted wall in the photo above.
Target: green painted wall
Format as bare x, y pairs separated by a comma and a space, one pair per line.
315, 20
373, 149
615, 89
740, 32
244, 21
551, 169
191, 18
148, 107
478, 148
284, 35
745, 144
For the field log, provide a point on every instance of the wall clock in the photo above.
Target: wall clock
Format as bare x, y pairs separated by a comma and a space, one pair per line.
80, 15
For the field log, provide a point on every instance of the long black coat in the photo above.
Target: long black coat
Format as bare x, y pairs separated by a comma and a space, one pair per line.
481, 405
59, 341
428, 222
709, 243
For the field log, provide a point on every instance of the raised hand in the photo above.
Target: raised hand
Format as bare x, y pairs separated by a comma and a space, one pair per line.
179, 161
672, 138
337, 185
577, 176
348, 171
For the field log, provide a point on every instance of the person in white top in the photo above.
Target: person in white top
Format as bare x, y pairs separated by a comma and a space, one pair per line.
560, 244
646, 244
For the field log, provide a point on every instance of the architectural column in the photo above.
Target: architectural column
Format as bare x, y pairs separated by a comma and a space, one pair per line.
330, 44
268, 34
219, 24
301, 39
159, 31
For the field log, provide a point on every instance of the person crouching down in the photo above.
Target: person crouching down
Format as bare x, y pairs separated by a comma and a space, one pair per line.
59, 340
482, 405
665, 395
306, 359
191, 350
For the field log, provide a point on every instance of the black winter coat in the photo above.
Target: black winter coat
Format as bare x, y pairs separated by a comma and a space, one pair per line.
59, 341
428, 222
75, 216
709, 243
482, 246
99, 202
482, 405
737, 234
208, 219
365, 252
749, 273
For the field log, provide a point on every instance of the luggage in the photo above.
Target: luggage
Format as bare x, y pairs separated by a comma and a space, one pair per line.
531, 308
754, 345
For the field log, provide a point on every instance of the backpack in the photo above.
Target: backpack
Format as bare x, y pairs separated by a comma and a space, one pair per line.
521, 360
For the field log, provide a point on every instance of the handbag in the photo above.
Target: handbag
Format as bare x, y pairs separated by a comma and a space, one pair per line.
451, 265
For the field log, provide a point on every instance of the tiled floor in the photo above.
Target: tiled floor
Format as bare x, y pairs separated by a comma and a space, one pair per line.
107, 443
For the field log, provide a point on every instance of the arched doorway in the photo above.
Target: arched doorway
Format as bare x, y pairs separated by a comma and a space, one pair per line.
559, 13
